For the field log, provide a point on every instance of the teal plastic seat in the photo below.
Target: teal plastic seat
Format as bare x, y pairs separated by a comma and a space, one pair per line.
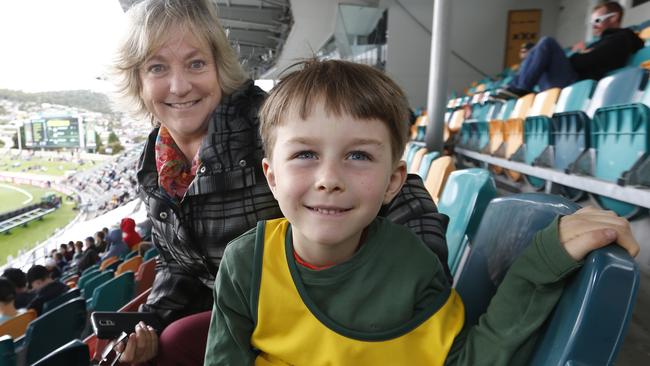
7, 351
425, 164
589, 322
73, 293
74, 353
87, 277
130, 255
620, 137
53, 329
113, 266
90, 286
90, 269
639, 57
464, 199
113, 294
150, 254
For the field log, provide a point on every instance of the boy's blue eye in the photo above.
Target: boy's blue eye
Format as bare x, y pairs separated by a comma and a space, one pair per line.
358, 155
306, 155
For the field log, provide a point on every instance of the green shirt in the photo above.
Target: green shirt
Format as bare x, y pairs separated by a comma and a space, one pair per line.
367, 295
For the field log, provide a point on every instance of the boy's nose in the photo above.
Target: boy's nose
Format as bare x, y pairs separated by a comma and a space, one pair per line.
330, 178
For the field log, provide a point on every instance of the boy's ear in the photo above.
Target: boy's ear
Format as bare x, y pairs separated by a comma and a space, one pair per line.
397, 179
269, 174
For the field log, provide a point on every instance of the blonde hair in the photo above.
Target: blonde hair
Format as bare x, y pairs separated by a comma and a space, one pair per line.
148, 25
343, 87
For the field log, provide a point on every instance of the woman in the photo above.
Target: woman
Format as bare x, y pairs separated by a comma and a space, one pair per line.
200, 172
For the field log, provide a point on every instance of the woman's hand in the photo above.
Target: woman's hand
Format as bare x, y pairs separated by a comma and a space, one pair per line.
142, 345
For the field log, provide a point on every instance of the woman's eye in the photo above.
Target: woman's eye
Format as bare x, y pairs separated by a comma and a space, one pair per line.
197, 64
156, 69
359, 155
305, 155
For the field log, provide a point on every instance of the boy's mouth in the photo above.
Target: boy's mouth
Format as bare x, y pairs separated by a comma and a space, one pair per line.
328, 210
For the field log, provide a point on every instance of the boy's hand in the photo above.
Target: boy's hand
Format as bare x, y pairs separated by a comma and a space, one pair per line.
590, 228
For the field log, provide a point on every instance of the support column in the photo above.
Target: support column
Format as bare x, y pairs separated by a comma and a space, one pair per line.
438, 71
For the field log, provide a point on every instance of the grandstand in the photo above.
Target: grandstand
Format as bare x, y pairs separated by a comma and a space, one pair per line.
504, 166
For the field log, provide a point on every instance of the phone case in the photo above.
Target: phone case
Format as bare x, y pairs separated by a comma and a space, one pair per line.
109, 324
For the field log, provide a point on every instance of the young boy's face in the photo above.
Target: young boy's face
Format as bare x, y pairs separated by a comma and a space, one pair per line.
330, 175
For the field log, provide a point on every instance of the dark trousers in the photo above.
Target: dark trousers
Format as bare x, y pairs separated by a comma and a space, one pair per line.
547, 66
183, 341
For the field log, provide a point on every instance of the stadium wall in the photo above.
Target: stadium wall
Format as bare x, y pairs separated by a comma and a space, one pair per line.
478, 32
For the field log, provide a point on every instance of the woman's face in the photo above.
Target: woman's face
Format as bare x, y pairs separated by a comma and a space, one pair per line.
180, 85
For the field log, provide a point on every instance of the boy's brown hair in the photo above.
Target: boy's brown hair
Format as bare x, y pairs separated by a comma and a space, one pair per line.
343, 87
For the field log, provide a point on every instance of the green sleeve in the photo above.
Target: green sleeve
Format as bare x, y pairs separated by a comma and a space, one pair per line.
506, 333
232, 324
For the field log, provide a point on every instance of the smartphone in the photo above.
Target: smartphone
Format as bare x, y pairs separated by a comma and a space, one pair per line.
110, 324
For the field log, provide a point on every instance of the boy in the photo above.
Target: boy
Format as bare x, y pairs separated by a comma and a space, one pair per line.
333, 284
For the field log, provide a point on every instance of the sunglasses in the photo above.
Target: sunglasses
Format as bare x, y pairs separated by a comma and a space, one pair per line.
601, 18
111, 356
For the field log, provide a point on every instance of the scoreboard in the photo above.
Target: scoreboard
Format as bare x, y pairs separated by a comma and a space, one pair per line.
58, 132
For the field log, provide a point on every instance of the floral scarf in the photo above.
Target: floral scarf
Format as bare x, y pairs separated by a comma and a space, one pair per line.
174, 171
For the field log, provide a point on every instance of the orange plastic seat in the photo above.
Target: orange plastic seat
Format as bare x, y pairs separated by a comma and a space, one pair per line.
495, 129
645, 34
107, 262
417, 159
145, 276
437, 176
456, 120
542, 104
130, 265
17, 325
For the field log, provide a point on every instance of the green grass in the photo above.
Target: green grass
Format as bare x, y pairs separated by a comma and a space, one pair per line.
36, 231
44, 167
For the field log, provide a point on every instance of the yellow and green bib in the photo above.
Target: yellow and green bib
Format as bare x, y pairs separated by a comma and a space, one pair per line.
290, 332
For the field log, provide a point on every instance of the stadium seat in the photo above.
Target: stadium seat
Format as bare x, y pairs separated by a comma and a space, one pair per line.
90, 286
150, 254
537, 130
87, 277
145, 276
589, 322
53, 329
113, 294
416, 160
131, 264
74, 353
437, 176
639, 57
113, 266
107, 262
63, 298
7, 351
513, 131
620, 138
90, 269
495, 130
456, 120
425, 164
130, 255
464, 199
16, 326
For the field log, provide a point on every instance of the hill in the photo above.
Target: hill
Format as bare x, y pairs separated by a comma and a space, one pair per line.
84, 99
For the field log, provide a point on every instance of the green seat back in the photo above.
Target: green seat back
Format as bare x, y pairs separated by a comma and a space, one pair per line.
464, 199
73, 293
114, 293
54, 329
74, 353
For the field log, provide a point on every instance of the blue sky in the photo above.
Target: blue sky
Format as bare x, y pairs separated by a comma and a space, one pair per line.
57, 44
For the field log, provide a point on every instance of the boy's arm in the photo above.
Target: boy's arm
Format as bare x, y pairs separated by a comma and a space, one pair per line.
506, 333
232, 325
